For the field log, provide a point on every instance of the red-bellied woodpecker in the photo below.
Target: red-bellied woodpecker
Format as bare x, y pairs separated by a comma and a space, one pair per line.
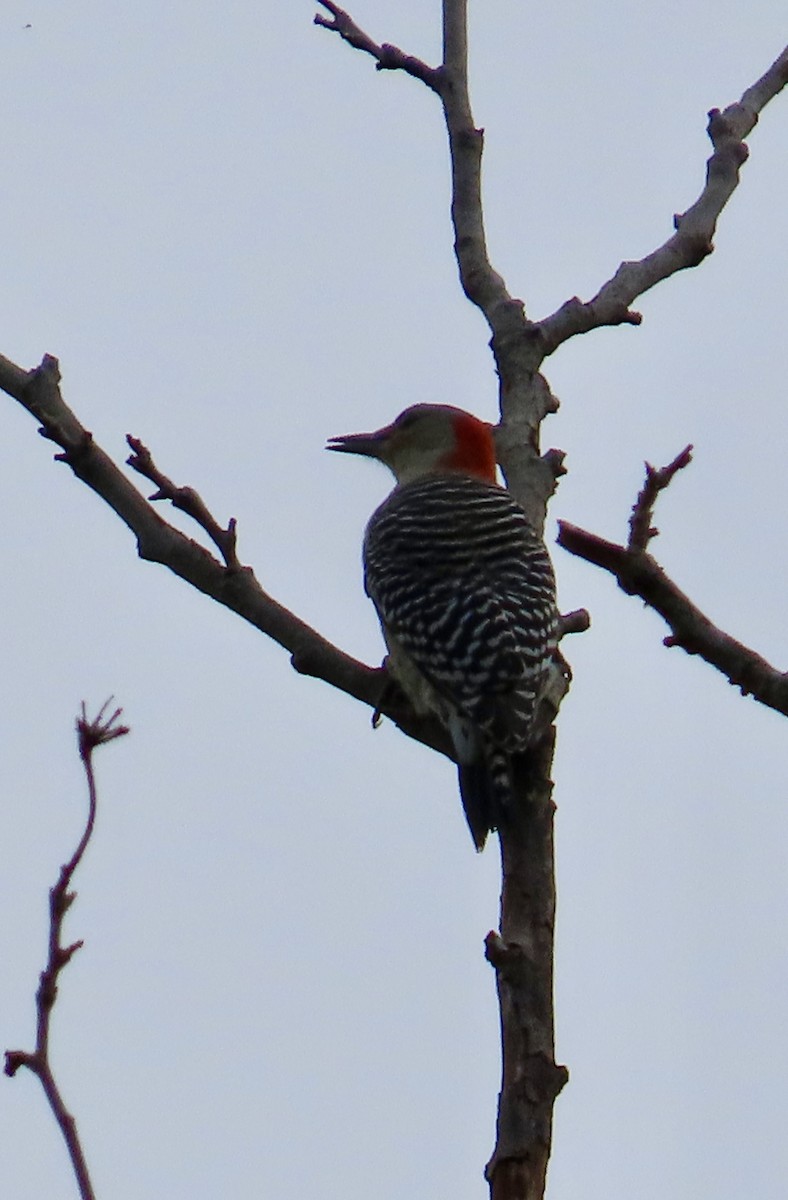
464, 590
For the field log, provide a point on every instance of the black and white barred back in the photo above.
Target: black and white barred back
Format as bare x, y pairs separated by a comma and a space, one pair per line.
465, 591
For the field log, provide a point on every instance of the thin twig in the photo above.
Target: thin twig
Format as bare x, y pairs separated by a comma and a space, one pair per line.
90, 734
641, 530
187, 500
387, 57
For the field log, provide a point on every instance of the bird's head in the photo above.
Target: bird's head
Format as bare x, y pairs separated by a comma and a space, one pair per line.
427, 439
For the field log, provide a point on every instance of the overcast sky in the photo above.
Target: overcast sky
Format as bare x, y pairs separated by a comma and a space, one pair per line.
234, 234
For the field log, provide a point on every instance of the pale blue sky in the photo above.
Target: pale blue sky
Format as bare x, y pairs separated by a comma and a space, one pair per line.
234, 235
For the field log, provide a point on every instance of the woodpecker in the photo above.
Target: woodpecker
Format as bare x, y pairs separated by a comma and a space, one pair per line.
465, 593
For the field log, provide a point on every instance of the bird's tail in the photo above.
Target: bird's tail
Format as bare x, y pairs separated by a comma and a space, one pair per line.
485, 788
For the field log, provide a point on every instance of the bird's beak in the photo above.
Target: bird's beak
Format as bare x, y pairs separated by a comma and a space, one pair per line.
368, 444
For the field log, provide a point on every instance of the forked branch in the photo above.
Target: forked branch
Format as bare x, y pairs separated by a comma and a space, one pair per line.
187, 500
639, 574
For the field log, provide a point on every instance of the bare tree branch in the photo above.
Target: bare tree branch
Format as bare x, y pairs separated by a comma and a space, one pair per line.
229, 583
641, 530
387, 57
639, 574
91, 734
483, 286
187, 500
693, 239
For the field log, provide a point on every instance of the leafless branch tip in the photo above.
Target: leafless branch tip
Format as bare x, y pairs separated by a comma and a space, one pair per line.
387, 57
100, 730
641, 530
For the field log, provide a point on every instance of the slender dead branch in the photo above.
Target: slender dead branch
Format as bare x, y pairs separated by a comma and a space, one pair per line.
483, 286
639, 574
185, 499
693, 239
387, 57
90, 734
229, 582
641, 531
